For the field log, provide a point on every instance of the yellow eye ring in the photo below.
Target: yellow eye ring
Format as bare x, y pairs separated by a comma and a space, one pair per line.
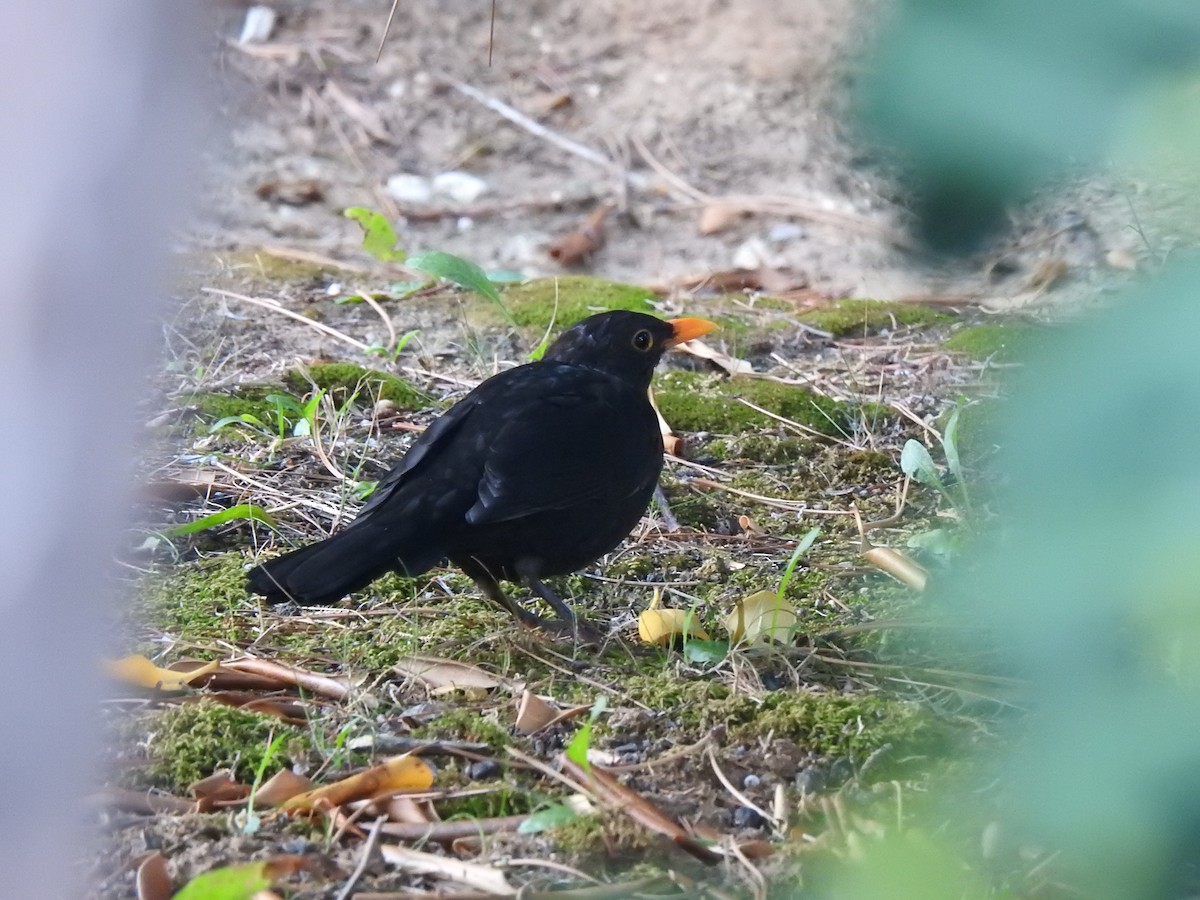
643, 340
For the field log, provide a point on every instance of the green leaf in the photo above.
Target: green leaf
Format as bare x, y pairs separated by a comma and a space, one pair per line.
239, 882
246, 511
916, 462
578, 748
243, 419
458, 270
364, 489
705, 651
950, 445
803, 547
379, 238
545, 819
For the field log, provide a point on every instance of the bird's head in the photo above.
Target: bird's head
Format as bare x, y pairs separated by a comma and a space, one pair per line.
627, 345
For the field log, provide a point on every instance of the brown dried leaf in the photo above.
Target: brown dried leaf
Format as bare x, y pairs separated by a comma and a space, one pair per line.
534, 713
716, 217
290, 712
439, 674
153, 879
281, 787
218, 789
617, 796
298, 192
576, 247
142, 803
324, 685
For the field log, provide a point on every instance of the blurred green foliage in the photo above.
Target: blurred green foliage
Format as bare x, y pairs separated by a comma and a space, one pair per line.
983, 100
1090, 582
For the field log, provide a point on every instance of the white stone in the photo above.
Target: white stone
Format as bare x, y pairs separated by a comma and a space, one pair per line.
461, 187
408, 188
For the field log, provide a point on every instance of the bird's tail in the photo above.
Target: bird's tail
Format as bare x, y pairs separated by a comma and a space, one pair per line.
323, 573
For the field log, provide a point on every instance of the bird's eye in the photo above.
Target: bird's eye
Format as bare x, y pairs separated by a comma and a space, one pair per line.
643, 340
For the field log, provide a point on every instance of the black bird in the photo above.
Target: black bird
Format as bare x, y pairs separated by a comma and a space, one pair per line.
537, 472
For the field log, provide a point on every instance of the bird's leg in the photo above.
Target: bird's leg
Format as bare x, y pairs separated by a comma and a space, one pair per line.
581, 628
492, 590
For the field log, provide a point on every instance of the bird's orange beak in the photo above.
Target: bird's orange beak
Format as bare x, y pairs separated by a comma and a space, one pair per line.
686, 329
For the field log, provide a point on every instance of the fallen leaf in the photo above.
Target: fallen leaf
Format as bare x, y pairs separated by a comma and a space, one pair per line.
241, 882
533, 713
281, 787
658, 625
218, 789
899, 565
762, 615
153, 879
300, 192
141, 672
446, 674
575, 247
142, 803
617, 796
730, 364
400, 773
716, 217
324, 685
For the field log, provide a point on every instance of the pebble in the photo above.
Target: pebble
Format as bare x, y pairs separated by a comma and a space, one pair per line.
408, 188
751, 781
461, 187
258, 25
483, 769
745, 817
784, 231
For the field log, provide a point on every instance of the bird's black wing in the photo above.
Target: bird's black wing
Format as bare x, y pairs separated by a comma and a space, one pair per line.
432, 443
581, 436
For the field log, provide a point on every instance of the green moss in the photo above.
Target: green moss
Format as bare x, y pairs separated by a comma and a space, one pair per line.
203, 600
832, 724
695, 402
609, 831
685, 699
693, 508
277, 268
998, 341
245, 401
768, 448
505, 800
570, 298
192, 741
860, 317
465, 724
342, 380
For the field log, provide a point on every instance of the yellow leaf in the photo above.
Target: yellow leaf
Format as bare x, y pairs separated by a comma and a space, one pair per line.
139, 671
657, 626
762, 615
400, 773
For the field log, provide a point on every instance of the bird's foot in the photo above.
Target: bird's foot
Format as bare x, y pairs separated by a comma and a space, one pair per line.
578, 629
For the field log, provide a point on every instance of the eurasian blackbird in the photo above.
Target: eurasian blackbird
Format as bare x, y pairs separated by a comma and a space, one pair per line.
537, 472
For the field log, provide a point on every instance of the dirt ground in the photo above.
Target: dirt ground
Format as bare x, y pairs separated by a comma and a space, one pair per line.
720, 134
684, 104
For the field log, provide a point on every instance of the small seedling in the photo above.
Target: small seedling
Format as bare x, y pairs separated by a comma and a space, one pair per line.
577, 750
